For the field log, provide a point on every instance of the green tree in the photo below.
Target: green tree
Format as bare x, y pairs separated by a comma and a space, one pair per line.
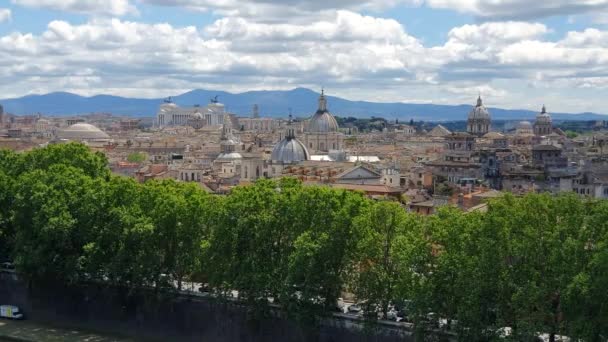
137, 157
55, 213
322, 259
377, 274
242, 246
6, 228
571, 134
586, 299
178, 214
74, 154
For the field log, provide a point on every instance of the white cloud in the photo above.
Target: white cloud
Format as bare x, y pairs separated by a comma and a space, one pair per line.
101, 7
281, 10
298, 10
520, 9
354, 55
5, 15
269, 8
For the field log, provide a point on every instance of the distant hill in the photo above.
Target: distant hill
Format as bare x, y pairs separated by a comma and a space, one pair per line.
302, 102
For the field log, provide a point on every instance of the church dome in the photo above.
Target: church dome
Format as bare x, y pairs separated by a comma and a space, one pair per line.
83, 131
230, 156
524, 128
322, 121
543, 116
524, 125
289, 150
480, 112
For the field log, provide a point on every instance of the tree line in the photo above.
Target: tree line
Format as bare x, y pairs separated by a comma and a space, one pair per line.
536, 264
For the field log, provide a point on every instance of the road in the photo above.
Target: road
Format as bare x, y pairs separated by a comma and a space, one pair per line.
33, 331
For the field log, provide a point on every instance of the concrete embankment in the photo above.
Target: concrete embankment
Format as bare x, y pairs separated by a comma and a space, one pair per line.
151, 316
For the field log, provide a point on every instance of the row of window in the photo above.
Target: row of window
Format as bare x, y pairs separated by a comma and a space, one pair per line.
582, 191
322, 146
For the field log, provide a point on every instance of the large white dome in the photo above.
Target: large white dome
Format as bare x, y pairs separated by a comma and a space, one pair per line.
479, 111
322, 121
83, 132
289, 150
543, 117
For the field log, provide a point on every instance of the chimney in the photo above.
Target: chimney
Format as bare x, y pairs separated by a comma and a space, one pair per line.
461, 201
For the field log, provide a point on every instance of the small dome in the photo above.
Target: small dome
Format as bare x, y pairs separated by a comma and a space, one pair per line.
229, 156
83, 131
524, 125
289, 150
479, 112
524, 128
322, 121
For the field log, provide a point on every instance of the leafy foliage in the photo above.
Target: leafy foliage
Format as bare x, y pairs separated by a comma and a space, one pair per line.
137, 157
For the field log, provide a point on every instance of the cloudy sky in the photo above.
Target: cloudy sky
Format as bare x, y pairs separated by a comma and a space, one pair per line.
517, 53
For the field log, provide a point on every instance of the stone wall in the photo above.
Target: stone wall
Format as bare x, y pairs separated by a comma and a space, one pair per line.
173, 318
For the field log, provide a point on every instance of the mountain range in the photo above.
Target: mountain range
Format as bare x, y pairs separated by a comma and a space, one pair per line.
301, 102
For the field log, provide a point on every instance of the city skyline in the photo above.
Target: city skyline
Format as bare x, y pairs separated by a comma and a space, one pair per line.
517, 55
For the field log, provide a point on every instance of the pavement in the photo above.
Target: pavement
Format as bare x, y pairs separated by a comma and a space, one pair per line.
28, 331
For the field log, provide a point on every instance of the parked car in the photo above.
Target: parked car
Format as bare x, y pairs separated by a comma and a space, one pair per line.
507, 332
10, 311
355, 308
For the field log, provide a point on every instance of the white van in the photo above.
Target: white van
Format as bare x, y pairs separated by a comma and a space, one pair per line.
10, 311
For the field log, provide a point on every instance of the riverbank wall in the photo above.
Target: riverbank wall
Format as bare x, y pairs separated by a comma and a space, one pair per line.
154, 316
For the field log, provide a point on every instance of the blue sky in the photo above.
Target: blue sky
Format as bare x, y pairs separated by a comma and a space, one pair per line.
518, 54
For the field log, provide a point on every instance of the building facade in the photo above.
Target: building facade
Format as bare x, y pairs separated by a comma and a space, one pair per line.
170, 114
